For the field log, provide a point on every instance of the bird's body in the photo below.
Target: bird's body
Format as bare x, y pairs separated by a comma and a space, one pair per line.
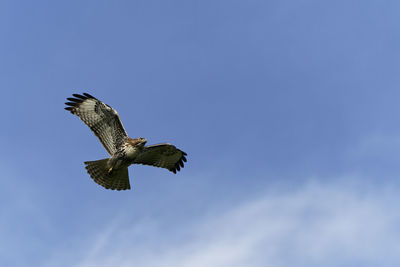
104, 121
128, 153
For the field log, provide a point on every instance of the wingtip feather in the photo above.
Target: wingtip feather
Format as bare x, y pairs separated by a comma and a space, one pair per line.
88, 95
77, 100
80, 96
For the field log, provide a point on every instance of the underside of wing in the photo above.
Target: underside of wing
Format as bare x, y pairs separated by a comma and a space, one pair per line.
102, 119
162, 155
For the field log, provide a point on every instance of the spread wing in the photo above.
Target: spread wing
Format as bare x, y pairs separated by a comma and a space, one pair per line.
162, 155
102, 119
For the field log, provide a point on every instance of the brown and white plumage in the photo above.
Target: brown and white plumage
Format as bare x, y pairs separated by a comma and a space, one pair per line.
104, 121
98, 170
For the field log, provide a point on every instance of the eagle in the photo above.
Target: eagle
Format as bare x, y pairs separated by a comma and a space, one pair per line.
104, 121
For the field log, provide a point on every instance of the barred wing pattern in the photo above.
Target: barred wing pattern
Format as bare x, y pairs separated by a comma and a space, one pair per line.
162, 155
117, 180
102, 119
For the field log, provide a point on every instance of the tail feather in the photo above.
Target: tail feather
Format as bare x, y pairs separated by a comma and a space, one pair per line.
117, 179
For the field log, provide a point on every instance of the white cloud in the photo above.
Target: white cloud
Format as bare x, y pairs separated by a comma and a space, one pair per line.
337, 224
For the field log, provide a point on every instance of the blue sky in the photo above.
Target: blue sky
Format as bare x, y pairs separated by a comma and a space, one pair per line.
288, 111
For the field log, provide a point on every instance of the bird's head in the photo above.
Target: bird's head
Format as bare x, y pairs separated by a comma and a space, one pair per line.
137, 142
142, 141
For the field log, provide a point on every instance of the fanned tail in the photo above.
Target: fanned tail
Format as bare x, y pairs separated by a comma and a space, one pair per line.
116, 180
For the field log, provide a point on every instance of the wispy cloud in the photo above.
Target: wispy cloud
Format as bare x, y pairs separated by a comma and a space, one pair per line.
316, 224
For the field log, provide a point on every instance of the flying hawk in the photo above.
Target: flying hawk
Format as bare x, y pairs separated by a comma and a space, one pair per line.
104, 121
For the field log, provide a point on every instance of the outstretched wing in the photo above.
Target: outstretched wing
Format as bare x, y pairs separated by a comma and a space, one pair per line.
102, 119
162, 155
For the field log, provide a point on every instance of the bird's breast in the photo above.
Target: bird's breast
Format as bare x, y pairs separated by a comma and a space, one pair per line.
131, 152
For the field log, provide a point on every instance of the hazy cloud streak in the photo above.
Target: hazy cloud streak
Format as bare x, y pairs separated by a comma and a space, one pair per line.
314, 225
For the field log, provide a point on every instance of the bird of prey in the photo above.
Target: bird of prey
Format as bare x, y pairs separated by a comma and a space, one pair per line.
104, 121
